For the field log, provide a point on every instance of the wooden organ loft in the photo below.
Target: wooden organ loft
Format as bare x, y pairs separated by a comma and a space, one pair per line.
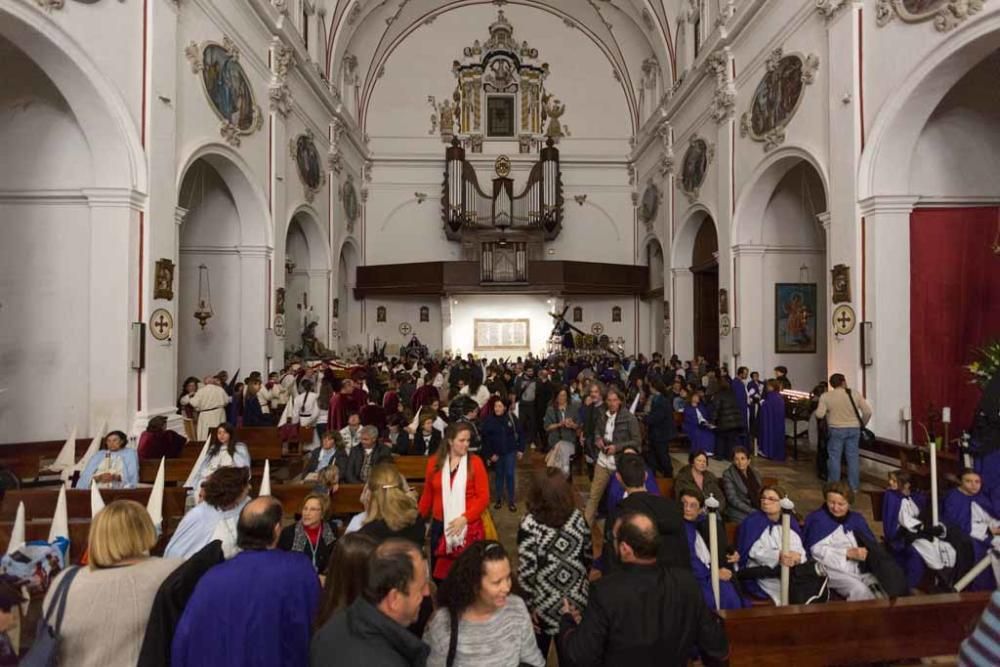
497, 228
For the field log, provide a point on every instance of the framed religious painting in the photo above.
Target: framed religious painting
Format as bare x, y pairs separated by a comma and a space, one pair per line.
163, 287
697, 157
500, 116
795, 318
840, 280
303, 150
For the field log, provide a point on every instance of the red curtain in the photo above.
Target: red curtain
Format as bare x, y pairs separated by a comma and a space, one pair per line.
954, 306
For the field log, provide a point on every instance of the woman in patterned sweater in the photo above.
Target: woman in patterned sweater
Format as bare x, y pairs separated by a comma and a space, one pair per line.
554, 553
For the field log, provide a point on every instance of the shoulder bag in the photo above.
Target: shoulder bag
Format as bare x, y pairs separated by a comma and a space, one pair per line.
867, 436
45, 650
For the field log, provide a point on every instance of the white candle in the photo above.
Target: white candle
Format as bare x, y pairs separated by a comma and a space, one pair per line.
906, 413
946, 415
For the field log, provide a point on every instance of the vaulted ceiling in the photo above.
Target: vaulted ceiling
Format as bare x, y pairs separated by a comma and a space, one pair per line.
369, 31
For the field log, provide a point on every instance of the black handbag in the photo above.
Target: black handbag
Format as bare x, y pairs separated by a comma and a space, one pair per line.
45, 650
867, 436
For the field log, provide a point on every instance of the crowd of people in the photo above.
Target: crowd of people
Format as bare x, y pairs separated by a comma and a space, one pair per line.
424, 579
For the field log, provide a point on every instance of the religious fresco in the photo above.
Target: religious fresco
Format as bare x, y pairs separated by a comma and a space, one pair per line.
777, 97
303, 149
698, 156
794, 318
227, 86
349, 195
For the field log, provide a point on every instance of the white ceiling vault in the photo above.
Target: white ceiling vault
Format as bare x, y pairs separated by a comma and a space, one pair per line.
370, 30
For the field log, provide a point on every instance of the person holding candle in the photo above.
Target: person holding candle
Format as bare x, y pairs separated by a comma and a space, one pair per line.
846, 412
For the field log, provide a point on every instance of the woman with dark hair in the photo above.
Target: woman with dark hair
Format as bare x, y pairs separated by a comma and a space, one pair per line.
839, 538
221, 451
427, 439
456, 493
345, 574
503, 447
697, 529
312, 535
742, 484
476, 389
223, 496
158, 441
560, 425
554, 553
696, 425
697, 477
115, 466
660, 429
479, 622
185, 409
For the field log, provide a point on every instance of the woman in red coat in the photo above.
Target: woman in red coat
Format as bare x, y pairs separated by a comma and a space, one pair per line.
454, 501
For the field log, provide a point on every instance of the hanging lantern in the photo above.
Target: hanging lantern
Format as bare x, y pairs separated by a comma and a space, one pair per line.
204, 310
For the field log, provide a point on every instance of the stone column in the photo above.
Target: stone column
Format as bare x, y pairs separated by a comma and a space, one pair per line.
682, 320
750, 317
253, 308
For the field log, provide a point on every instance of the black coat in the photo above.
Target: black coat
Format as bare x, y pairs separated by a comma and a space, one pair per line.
362, 635
339, 460
402, 446
356, 461
421, 444
727, 413
324, 547
169, 603
644, 616
660, 421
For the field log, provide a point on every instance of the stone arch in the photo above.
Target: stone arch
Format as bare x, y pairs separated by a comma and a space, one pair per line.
75, 181
349, 319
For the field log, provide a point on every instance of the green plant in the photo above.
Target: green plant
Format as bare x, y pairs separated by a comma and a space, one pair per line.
986, 363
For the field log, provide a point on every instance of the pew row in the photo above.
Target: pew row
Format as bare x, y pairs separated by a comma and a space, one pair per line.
852, 632
40, 504
347, 499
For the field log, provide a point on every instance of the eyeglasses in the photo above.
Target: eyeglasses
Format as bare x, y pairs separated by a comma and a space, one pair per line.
773, 499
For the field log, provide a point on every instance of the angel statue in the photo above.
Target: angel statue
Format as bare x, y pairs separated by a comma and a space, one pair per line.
446, 118
553, 111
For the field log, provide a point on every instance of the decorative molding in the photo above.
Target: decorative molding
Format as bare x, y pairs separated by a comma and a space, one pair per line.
945, 15
724, 99
665, 163
354, 13
51, 5
334, 156
282, 59
281, 98
829, 9
281, 6
726, 12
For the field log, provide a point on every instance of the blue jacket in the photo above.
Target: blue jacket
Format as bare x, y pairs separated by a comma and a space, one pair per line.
501, 435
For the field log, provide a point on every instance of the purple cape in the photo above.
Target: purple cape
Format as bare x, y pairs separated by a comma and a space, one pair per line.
821, 523
729, 597
772, 426
749, 532
891, 502
956, 510
702, 438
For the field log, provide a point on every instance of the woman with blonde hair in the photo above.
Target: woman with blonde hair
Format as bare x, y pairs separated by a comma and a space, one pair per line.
392, 511
111, 598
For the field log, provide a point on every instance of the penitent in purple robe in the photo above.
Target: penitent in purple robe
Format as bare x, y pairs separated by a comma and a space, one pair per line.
255, 610
772, 426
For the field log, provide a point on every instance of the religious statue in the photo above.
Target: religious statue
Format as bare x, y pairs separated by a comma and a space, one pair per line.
553, 111
446, 119
312, 347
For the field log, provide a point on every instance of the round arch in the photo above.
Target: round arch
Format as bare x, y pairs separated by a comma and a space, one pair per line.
683, 246
95, 101
748, 220
319, 247
898, 125
248, 197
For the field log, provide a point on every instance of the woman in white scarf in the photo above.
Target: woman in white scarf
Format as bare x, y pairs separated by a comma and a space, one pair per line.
455, 495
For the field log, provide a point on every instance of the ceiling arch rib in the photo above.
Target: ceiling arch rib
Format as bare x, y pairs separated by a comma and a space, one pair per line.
371, 30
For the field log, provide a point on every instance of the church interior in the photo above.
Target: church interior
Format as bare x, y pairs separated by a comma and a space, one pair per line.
395, 191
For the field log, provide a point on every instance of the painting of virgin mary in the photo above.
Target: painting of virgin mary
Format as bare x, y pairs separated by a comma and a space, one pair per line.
228, 88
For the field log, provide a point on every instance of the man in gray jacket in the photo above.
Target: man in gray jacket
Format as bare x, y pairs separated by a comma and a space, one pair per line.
617, 428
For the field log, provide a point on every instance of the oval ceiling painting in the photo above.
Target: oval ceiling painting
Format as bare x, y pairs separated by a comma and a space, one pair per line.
307, 159
777, 97
696, 160
228, 88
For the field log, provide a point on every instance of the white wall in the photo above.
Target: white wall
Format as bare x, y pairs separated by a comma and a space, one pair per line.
399, 310
534, 308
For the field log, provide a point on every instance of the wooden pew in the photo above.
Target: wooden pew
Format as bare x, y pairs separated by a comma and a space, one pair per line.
175, 471
852, 632
24, 459
264, 442
79, 533
412, 468
666, 485
347, 500
40, 504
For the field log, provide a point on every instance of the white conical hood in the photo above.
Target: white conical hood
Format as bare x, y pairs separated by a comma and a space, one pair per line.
96, 499
95, 446
17, 533
60, 520
67, 455
155, 503
189, 483
265, 482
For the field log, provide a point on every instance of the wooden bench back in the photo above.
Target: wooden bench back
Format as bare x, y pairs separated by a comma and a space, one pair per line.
412, 467
40, 504
347, 500
852, 632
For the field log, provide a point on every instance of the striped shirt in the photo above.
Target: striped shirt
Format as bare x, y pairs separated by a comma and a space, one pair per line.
982, 648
